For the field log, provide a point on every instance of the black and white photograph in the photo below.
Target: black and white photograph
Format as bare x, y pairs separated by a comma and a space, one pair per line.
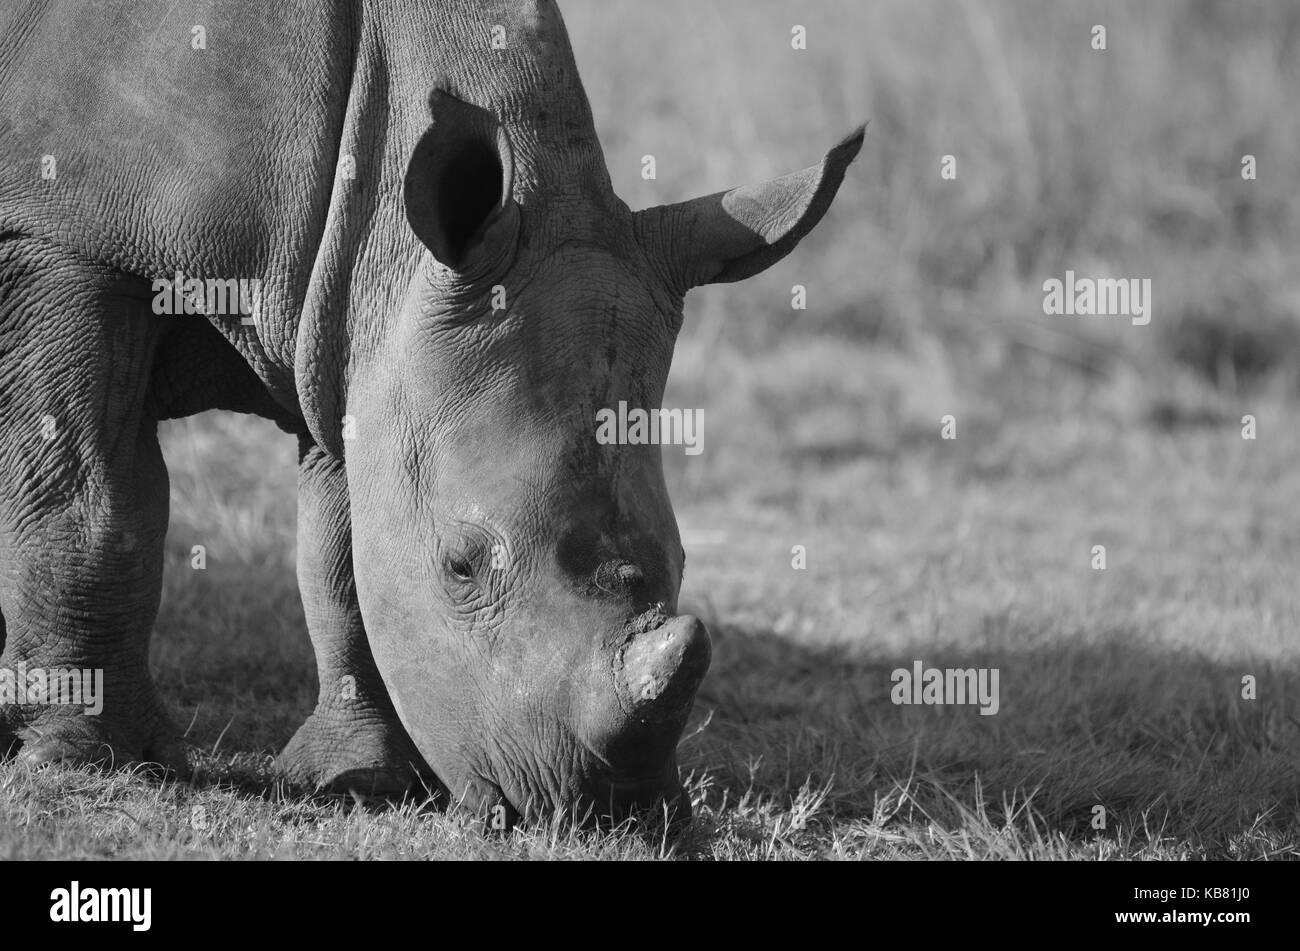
688, 431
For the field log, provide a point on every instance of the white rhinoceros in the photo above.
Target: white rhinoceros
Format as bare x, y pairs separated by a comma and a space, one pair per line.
440, 293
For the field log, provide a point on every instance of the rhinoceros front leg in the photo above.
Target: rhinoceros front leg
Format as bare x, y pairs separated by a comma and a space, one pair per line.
353, 740
83, 515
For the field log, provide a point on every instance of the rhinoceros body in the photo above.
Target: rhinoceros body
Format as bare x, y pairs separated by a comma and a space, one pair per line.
439, 293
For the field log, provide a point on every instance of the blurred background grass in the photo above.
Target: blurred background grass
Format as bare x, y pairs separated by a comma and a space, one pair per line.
924, 295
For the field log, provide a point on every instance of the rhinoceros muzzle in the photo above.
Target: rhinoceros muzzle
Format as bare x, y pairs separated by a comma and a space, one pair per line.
611, 749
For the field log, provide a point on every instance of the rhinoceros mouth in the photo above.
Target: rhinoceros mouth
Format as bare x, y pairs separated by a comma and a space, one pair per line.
603, 796
639, 791
621, 800
647, 798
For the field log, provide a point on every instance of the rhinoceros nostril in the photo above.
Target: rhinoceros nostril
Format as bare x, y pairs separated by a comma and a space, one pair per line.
619, 576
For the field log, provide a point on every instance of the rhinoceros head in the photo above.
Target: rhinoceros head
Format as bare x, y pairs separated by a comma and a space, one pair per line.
518, 577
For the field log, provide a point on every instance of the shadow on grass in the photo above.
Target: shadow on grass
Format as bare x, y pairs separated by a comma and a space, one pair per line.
1158, 738
1162, 739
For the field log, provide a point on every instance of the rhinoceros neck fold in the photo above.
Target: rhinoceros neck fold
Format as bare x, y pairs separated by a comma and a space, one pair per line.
516, 62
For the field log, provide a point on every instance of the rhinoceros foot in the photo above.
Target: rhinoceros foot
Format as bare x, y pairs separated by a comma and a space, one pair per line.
145, 736
338, 752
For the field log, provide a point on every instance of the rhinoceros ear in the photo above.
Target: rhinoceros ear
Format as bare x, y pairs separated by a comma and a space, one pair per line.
732, 235
459, 185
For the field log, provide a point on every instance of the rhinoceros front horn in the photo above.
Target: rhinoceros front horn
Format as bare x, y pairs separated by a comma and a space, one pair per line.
657, 668
658, 671
459, 186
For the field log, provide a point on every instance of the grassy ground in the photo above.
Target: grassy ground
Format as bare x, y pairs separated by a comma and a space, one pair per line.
1120, 688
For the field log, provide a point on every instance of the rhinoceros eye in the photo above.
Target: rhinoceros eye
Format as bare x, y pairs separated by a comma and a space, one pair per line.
468, 555
459, 566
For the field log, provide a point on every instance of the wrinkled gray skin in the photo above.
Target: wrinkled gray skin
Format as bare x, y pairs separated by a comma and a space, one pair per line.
558, 682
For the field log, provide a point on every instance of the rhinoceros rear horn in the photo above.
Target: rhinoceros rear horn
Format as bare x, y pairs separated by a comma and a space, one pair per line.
459, 183
732, 235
